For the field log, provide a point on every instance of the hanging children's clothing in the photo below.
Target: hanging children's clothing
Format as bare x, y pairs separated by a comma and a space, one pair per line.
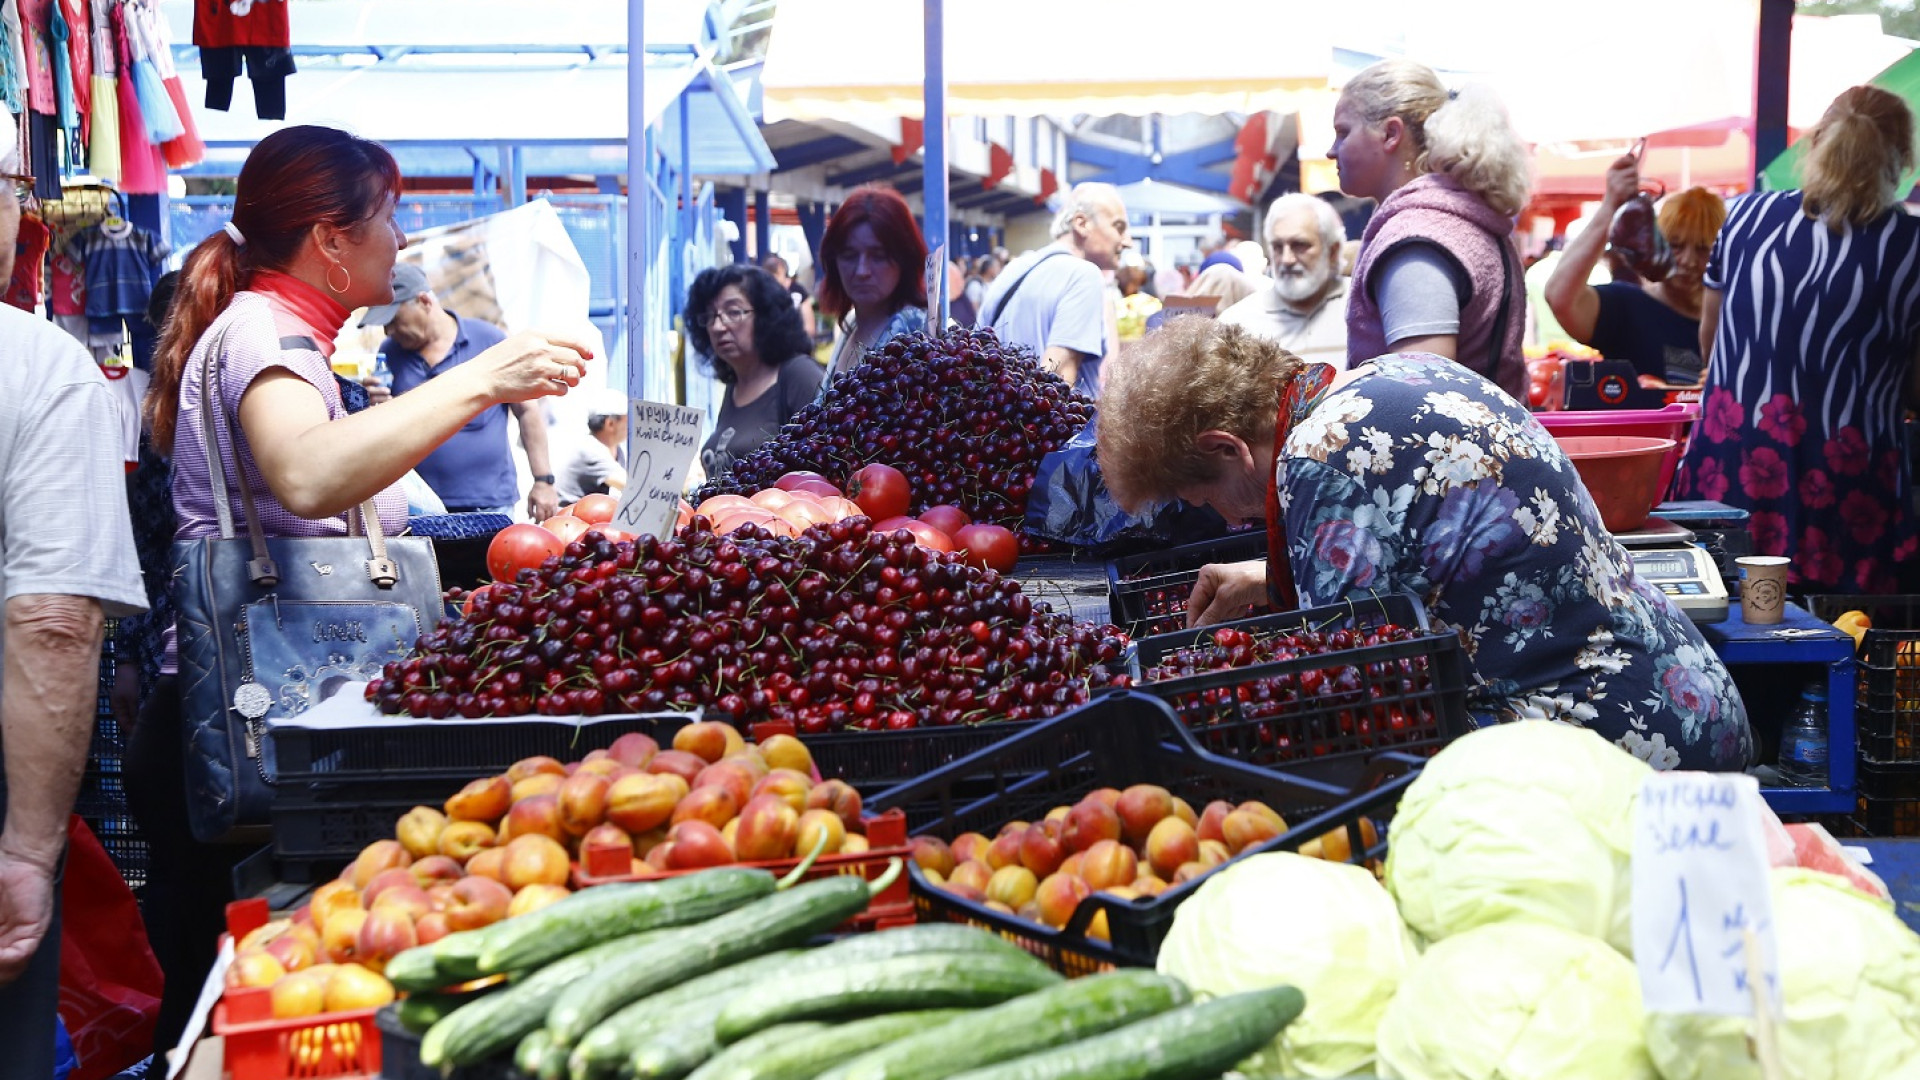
13, 60
142, 169
119, 262
253, 34
29, 256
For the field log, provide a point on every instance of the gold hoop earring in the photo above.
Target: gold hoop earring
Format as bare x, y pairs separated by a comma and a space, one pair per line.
341, 289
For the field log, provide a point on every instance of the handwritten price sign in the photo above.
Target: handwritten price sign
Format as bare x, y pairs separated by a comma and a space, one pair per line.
661, 440
1699, 885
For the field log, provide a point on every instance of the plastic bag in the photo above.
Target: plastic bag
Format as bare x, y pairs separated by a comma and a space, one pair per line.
109, 980
1069, 503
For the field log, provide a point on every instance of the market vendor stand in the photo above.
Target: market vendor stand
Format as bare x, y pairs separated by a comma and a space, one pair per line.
1767, 662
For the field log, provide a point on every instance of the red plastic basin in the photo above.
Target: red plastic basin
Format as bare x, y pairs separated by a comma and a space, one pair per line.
1622, 473
1673, 422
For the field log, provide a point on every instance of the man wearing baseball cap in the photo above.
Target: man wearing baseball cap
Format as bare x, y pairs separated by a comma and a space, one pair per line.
473, 471
600, 463
59, 581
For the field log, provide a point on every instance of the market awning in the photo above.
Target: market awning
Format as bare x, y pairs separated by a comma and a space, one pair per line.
1902, 78
1038, 57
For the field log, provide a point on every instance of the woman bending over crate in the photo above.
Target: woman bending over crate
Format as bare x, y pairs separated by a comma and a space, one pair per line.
1415, 475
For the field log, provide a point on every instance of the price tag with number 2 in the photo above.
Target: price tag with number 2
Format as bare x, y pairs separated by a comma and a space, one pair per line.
661, 441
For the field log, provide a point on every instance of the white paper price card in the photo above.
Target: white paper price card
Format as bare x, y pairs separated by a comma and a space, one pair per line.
661, 440
1699, 883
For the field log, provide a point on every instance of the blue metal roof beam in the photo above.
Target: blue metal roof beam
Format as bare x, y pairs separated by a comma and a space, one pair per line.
816, 151
1187, 167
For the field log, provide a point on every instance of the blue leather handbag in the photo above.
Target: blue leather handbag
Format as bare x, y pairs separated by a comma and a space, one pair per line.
270, 626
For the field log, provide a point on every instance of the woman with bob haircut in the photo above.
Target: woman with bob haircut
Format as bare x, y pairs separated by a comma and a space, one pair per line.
312, 238
749, 335
1656, 327
872, 274
1437, 271
1809, 325
1412, 474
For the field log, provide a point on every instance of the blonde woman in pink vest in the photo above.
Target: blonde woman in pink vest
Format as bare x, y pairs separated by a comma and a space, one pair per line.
1437, 271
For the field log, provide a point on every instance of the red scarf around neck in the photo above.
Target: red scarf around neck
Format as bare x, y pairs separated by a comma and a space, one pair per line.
1298, 395
322, 314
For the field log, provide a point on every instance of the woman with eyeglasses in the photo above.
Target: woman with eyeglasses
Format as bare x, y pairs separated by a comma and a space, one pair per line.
750, 337
873, 274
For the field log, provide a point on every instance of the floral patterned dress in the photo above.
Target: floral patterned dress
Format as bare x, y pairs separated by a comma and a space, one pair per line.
1421, 477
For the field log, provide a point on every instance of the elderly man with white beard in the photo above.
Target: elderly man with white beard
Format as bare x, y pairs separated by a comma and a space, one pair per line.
1304, 308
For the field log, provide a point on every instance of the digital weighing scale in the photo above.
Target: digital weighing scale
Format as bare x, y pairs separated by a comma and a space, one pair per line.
1665, 556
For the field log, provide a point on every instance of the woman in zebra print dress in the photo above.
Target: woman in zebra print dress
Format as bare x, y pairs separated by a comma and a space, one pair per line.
1810, 327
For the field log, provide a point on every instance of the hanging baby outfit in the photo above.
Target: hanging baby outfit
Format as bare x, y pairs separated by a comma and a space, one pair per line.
253, 34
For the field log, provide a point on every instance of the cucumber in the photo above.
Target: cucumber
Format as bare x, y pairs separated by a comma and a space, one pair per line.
1059, 1014
774, 922
419, 1011
601, 914
608, 1046
602, 1051
532, 1052
800, 1051
945, 980
453, 959
1198, 1042
500, 1020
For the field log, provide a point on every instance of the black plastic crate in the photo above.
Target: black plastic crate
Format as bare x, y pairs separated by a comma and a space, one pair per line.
1119, 739
1887, 701
1148, 593
1889, 799
337, 790
1406, 695
400, 1056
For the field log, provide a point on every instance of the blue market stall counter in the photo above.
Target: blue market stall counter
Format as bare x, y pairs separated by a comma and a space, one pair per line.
1770, 664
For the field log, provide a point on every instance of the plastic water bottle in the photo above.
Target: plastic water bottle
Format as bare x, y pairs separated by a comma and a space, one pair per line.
381, 371
1803, 741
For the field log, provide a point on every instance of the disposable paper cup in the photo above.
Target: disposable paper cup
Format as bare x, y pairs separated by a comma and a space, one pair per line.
1763, 594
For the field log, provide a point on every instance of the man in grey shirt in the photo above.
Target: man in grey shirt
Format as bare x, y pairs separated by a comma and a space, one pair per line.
1054, 301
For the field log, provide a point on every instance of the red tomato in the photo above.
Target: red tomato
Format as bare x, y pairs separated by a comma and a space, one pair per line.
948, 519
798, 478
466, 607
819, 489
608, 531
771, 498
841, 508
924, 534
685, 515
804, 514
595, 509
989, 546
520, 547
565, 526
887, 525
881, 490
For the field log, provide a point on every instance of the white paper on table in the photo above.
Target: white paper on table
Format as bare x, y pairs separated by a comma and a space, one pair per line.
1858, 854
350, 710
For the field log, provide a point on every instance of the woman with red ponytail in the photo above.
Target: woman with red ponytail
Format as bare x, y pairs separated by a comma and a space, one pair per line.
312, 238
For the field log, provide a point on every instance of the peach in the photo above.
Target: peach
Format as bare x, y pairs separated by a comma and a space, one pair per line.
491, 863
697, 844
331, 897
678, 763
1110, 796
1214, 852
1040, 852
340, 938
294, 951
485, 800
537, 816
715, 805
1244, 829
1108, 864
736, 778
644, 801
434, 868
1012, 885
432, 927
971, 874
462, 840
606, 835
1015, 826
854, 844
1140, 808
382, 881
932, 853
1188, 871
1148, 885
815, 825
303, 993
1171, 843
1336, 845
1072, 863
790, 786
357, 988
535, 860
767, 827
1005, 850
970, 846
659, 857
537, 784
377, 856
1265, 812
477, 902
583, 802
264, 933
787, 752
419, 831
647, 841
755, 762
634, 750
710, 740
606, 767
536, 896
255, 967
966, 892
995, 905
534, 766
1058, 896
1058, 815
839, 797
1208, 827
385, 934
730, 832
1089, 822
410, 900
1183, 810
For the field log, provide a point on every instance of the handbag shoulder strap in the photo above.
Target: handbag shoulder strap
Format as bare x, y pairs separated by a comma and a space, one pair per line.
1007, 297
261, 569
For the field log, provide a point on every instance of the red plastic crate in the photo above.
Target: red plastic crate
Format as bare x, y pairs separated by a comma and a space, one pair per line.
330, 1046
886, 837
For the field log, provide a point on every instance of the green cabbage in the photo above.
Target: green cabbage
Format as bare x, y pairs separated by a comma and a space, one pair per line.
1516, 1001
1526, 820
1850, 987
1327, 928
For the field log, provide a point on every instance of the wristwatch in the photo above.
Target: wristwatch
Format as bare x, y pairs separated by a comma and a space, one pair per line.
547, 479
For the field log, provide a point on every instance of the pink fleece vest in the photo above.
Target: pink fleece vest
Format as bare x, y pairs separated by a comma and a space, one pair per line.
1435, 209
